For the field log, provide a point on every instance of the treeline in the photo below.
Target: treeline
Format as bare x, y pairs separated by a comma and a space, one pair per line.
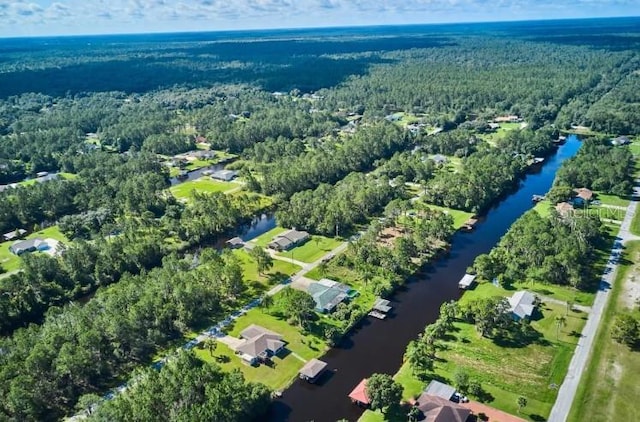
205, 393
331, 161
556, 250
599, 166
335, 209
457, 142
84, 349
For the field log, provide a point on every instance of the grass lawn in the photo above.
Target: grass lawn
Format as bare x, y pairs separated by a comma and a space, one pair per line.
611, 199
264, 239
11, 262
544, 208
313, 249
286, 367
459, 217
609, 389
635, 224
563, 293
203, 184
275, 275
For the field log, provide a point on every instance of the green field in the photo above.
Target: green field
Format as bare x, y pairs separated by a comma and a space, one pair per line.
543, 208
507, 371
313, 249
11, 262
614, 200
280, 270
609, 389
204, 185
286, 367
459, 217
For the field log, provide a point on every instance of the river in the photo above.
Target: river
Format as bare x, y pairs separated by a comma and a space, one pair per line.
378, 346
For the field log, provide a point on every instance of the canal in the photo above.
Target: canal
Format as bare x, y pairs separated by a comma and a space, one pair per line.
378, 346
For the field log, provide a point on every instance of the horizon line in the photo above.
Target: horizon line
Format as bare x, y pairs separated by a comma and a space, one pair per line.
306, 28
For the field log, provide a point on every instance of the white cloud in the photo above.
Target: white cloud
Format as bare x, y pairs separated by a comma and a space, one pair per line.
87, 16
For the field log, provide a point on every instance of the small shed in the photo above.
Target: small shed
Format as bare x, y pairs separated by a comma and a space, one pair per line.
312, 370
359, 394
466, 281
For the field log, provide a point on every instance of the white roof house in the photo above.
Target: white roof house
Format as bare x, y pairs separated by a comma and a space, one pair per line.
522, 304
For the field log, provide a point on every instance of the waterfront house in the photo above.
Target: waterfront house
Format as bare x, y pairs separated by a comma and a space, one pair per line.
225, 175
327, 294
564, 208
620, 140
312, 370
359, 394
583, 196
288, 240
258, 344
522, 304
438, 409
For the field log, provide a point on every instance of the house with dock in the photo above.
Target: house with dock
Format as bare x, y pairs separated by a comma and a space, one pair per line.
522, 305
288, 240
327, 294
312, 370
257, 344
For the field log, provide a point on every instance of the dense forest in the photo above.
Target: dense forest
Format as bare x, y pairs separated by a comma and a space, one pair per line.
338, 132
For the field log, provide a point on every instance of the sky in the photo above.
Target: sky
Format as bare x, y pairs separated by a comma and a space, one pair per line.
19, 18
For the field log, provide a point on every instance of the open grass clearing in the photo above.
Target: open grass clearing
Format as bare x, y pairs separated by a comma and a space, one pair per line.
543, 208
609, 389
313, 249
614, 200
279, 272
203, 185
459, 217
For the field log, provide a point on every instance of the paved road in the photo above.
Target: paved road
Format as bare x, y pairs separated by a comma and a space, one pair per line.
567, 391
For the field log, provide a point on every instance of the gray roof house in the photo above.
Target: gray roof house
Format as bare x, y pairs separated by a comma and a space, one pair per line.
16, 234
235, 243
621, 140
522, 304
439, 159
28, 245
225, 175
289, 239
328, 294
437, 409
259, 343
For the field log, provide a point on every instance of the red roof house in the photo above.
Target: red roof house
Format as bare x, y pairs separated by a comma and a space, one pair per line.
359, 394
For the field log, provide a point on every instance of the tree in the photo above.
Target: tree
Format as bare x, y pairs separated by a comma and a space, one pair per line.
414, 414
561, 321
262, 258
211, 344
267, 301
419, 357
626, 330
475, 388
522, 402
298, 306
461, 380
383, 392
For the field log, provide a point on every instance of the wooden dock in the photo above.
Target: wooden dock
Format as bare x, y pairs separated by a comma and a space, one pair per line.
469, 224
377, 314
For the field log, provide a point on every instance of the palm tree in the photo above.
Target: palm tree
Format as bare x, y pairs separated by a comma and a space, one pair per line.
561, 321
211, 344
267, 301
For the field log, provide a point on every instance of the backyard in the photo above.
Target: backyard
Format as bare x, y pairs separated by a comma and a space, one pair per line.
300, 348
276, 274
313, 249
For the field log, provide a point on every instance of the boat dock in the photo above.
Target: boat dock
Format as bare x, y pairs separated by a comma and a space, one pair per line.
380, 308
467, 281
538, 198
377, 314
469, 224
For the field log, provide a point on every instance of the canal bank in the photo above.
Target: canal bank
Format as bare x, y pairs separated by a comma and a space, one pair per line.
378, 346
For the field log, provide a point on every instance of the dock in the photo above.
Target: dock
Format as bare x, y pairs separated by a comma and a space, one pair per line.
381, 305
467, 281
538, 198
469, 224
377, 314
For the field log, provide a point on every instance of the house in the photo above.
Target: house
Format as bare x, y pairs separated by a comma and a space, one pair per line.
235, 243
620, 140
511, 118
583, 196
42, 173
466, 281
522, 305
312, 370
258, 344
225, 175
16, 234
29, 245
327, 294
439, 389
288, 240
564, 208
494, 126
359, 394
438, 409
439, 159
201, 140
